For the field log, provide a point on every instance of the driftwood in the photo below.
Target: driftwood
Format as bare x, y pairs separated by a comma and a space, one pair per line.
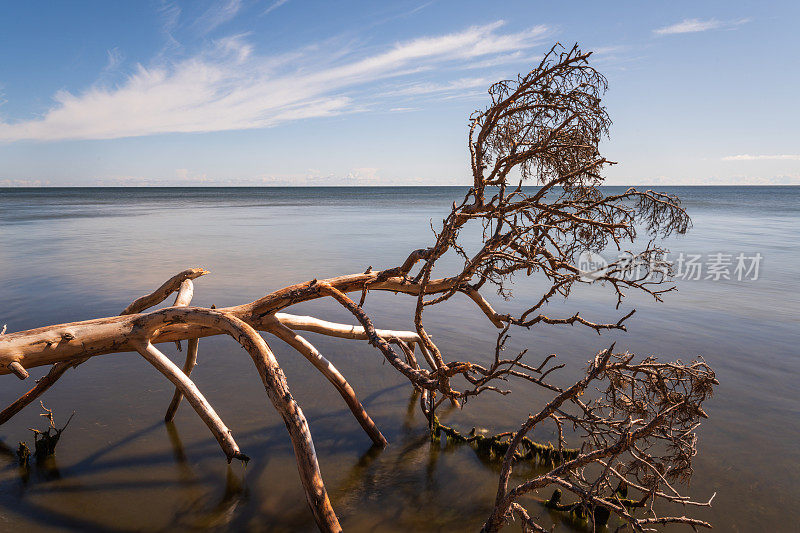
543, 127
139, 331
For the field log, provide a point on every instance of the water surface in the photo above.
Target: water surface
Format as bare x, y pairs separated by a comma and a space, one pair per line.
74, 254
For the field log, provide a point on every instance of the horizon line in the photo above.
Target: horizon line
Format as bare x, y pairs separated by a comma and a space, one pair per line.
4, 187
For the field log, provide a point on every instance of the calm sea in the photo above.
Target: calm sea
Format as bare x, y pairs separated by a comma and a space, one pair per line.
74, 254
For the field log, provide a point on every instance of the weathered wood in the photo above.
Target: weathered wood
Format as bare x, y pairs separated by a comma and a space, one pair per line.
343, 331
89, 338
346, 331
42, 385
161, 293
18, 370
277, 390
185, 293
70, 344
183, 299
193, 396
305, 454
546, 127
334, 376
188, 366
484, 306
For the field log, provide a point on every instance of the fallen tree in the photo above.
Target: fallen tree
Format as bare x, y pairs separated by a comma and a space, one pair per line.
543, 128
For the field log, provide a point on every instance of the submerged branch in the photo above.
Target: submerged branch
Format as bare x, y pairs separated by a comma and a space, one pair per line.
542, 128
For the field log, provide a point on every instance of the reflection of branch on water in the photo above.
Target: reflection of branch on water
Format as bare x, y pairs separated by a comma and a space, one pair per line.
418, 465
199, 516
415, 465
179, 454
420, 476
177, 446
411, 408
106, 450
5, 450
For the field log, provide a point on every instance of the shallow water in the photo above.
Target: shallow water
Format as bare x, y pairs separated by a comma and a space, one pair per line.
73, 254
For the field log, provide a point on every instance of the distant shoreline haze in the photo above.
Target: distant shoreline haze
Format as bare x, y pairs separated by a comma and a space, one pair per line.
650, 186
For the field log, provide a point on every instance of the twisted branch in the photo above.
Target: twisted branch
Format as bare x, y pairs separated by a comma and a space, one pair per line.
544, 128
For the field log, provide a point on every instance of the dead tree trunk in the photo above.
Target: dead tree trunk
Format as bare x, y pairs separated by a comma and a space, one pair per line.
544, 127
67, 345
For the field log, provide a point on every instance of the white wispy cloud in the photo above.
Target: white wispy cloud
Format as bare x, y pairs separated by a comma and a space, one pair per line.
115, 58
230, 87
169, 14
275, 5
428, 88
504, 59
749, 157
697, 25
218, 14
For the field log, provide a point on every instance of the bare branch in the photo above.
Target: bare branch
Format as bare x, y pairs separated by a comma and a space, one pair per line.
537, 204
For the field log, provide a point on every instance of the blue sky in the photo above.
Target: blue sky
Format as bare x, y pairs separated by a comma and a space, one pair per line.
289, 92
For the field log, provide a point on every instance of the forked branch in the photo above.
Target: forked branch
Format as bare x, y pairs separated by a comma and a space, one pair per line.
537, 203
